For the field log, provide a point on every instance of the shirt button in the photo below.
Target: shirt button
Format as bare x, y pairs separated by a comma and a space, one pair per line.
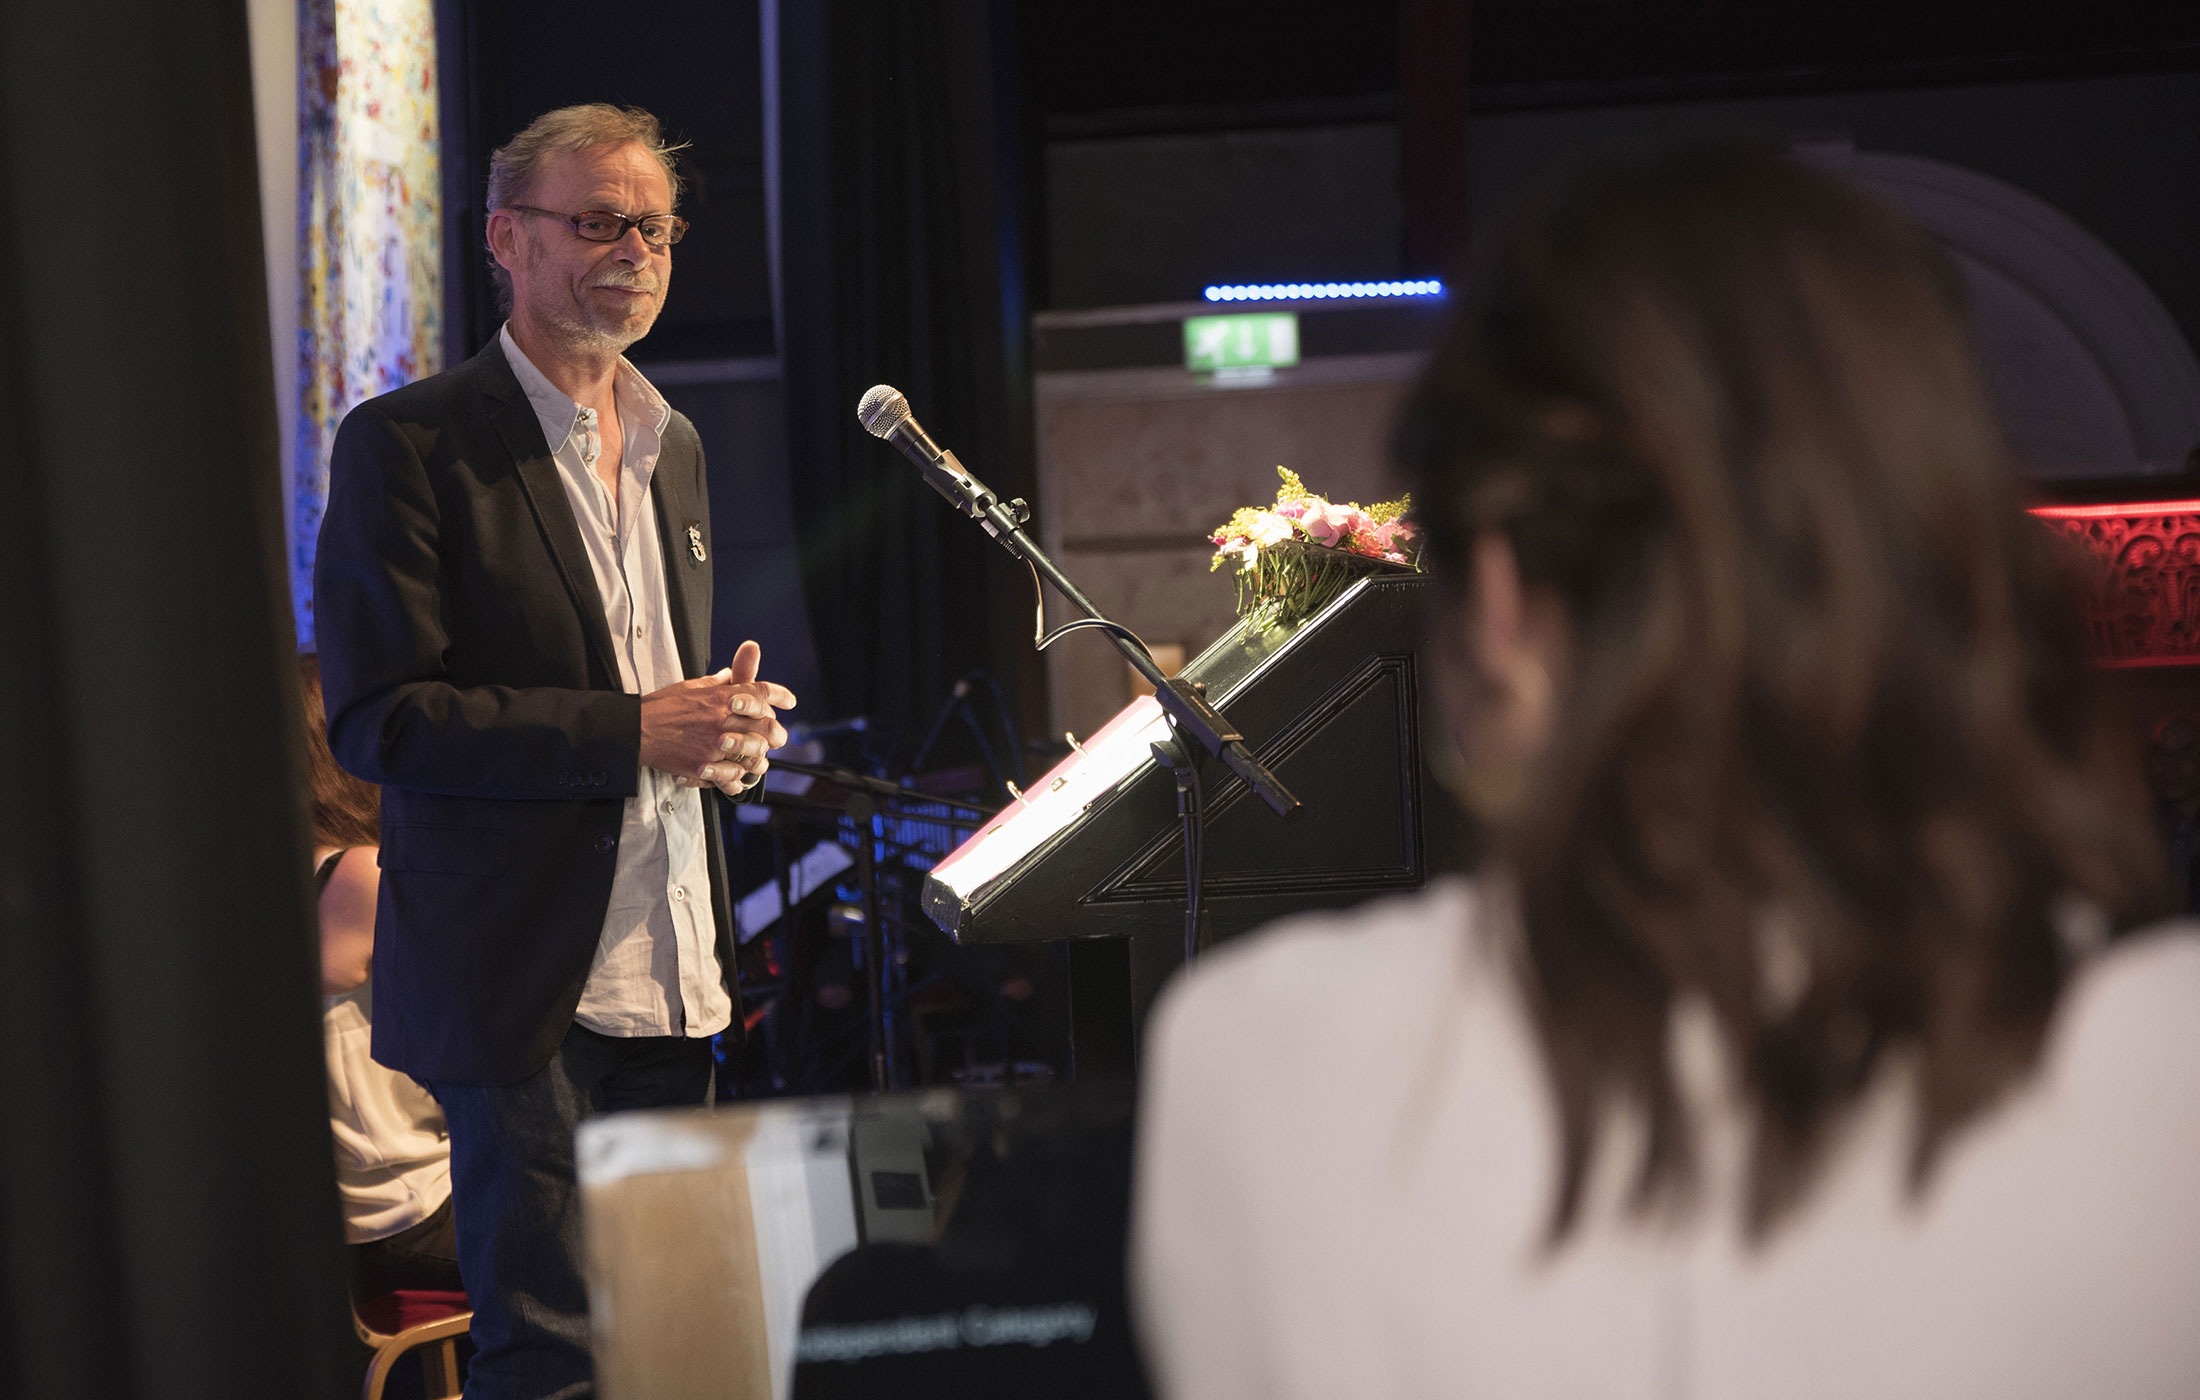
605, 845
679, 892
668, 805
637, 634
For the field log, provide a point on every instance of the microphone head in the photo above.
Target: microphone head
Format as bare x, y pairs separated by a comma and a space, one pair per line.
883, 409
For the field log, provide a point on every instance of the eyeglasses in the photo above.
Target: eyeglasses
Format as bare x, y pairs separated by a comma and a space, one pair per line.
603, 226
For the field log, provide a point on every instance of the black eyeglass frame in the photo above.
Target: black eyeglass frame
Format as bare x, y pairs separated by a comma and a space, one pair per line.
679, 225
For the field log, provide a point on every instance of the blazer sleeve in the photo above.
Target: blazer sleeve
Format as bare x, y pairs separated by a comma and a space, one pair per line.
381, 620
699, 492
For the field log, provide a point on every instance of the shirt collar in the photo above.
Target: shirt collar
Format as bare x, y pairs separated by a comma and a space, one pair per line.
638, 398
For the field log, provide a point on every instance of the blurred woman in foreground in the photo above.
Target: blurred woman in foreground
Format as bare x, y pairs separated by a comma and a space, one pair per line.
1781, 1050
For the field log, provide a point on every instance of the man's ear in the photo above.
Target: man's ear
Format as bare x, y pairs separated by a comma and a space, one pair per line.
503, 235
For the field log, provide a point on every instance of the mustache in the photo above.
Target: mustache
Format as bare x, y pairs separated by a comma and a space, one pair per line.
627, 277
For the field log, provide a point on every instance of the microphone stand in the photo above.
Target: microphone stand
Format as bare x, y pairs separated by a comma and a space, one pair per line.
1191, 815
1185, 702
889, 790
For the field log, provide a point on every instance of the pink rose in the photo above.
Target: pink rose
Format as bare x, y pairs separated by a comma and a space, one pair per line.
1395, 540
1326, 523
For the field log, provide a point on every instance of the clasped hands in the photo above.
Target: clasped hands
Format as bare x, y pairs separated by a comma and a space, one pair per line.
716, 730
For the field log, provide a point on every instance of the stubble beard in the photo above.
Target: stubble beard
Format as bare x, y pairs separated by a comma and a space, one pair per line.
581, 329
576, 325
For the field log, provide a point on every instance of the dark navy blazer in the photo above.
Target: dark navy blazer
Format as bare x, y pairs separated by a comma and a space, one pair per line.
468, 669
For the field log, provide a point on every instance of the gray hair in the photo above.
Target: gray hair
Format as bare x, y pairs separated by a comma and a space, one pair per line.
513, 165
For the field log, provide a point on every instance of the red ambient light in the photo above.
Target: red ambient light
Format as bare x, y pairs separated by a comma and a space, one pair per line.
2102, 512
2143, 607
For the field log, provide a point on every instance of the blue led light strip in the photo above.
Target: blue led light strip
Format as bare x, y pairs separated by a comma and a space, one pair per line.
1325, 291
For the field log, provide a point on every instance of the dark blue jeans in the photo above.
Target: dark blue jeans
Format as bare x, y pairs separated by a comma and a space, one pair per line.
518, 1207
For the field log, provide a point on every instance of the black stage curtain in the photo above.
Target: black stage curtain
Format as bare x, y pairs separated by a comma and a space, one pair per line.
168, 1220
902, 158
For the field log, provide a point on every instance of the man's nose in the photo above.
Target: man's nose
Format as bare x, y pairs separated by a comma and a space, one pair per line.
631, 248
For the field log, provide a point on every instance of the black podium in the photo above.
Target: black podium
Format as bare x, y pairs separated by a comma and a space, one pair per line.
1094, 852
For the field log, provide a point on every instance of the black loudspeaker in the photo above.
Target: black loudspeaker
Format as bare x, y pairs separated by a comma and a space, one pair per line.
1333, 706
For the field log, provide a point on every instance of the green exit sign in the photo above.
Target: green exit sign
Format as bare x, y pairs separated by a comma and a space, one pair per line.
1263, 340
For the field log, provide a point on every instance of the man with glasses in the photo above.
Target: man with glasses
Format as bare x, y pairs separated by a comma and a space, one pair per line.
513, 598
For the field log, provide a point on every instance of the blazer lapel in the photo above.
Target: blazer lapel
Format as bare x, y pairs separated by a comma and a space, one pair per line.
516, 423
682, 533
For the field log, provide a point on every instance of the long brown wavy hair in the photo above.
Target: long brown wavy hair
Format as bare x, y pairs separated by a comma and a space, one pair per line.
1828, 754
346, 810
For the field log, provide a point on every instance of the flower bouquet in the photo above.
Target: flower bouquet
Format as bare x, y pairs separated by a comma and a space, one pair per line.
1292, 559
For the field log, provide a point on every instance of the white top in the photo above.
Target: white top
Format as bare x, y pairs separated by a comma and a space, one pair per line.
656, 968
393, 1154
1347, 1151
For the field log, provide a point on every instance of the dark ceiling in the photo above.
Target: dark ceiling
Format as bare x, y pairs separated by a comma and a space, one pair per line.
1158, 65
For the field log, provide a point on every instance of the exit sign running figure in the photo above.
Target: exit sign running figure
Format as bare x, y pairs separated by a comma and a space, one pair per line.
1263, 340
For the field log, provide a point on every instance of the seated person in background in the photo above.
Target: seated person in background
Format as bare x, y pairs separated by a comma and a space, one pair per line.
1782, 1049
393, 1160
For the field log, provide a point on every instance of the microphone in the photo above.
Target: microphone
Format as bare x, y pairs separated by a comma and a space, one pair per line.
884, 414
